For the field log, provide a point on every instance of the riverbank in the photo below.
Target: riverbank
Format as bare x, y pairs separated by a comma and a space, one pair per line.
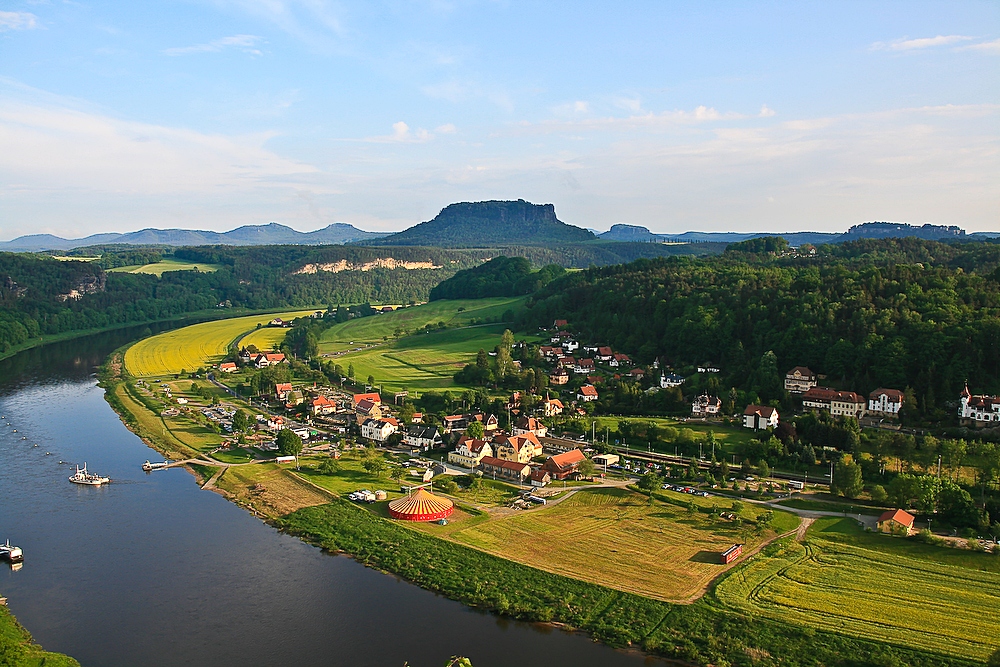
18, 650
705, 632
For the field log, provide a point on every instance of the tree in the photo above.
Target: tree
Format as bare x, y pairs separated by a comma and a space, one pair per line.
371, 380
847, 480
650, 482
242, 422
955, 506
374, 465
762, 470
482, 360
350, 371
878, 494
329, 467
288, 443
587, 468
397, 473
475, 429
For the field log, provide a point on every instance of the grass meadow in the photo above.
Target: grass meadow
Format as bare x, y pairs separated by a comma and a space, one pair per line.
615, 538
164, 265
876, 587
192, 347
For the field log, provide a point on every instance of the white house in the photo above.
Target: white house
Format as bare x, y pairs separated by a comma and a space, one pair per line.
671, 380
378, 430
587, 393
706, 405
978, 409
885, 402
799, 380
760, 417
422, 437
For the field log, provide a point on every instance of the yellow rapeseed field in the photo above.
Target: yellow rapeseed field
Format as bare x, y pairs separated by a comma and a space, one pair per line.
193, 347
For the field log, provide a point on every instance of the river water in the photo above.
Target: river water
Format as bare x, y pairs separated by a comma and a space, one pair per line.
153, 571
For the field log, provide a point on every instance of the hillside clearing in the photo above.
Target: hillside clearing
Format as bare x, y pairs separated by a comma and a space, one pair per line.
167, 264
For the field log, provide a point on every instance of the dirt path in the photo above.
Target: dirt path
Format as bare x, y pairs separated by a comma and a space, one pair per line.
800, 534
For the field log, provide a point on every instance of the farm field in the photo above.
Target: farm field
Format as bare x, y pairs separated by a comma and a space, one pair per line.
881, 588
377, 328
615, 538
191, 347
266, 338
424, 361
164, 265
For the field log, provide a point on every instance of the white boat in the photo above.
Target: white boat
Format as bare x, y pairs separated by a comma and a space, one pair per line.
81, 476
147, 466
10, 553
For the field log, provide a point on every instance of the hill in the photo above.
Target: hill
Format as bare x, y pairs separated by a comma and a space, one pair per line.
502, 276
489, 223
269, 234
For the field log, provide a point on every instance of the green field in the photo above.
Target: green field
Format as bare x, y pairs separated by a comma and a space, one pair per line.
164, 265
193, 347
877, 587
616, 538
377, 328
425, 361
726, 436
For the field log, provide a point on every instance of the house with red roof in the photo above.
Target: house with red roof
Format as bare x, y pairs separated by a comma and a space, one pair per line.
373, 397
321, 405
227, 367
281, 390
587, 393
760, 417
885, 402
562, 466
495, 468
896, 522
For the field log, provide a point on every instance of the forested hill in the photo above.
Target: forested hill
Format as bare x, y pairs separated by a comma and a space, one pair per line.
891, 312
487, 223
502, 276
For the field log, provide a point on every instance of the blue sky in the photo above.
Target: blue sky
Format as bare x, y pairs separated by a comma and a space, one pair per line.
674, 115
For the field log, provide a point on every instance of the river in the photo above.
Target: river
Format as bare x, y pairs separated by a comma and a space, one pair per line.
153, 571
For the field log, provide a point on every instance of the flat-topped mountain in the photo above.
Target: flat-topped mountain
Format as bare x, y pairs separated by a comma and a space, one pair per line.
269, 234
470, 224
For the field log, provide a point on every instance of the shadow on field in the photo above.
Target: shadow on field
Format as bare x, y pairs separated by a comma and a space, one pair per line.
705, 557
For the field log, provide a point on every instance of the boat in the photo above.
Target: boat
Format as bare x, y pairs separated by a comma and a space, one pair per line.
81, 476
10, 553
147, 466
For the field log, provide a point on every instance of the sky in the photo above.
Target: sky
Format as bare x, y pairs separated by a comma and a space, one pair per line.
710, 116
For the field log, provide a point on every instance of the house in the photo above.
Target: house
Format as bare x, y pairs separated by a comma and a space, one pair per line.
526, 424
422, 438
564, 465
799, 380
552, 407
366, 409
558, 376
706, 405
837, 403
321, 405
386, 309
281, 390
584, 366
275, 424
731, 554
978, 410
246, 356
587, 393
605, 354
708, 367
294, 398
470, 452
606, 459
540, 478
668, 380
566, 362
378, 430
559, 324
521, 448
885, 402
895, 522
274, 358
571, 345
513, 471
227, 367
417, 418
277, 322
489, 422
760, 417
374, 397
455, 423
259, 361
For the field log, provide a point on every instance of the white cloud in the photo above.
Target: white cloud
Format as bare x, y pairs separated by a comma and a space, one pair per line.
402, 134
17, 21
314, 22
245, 43
447, 128
920, 43
985, 47
765, 111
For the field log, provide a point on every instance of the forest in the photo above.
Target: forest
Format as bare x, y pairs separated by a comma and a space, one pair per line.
920, 316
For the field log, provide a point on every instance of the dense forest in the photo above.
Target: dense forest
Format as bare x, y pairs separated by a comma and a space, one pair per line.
910, 314
502, 276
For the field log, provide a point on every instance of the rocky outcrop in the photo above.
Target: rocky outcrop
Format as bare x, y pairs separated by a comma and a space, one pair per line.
380, 263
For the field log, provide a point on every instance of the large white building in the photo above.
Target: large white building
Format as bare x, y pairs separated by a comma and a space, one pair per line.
760, 417
378, 430
979, 409
885, 402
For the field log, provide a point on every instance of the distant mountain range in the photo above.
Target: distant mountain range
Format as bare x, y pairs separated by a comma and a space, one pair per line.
472, 224
270, 234
490, 223
868, 230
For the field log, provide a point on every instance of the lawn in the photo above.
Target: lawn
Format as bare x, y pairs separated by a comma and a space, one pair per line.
872, 586
615, 538
423, 361
378, 328
727, 437
192, 347
164, 265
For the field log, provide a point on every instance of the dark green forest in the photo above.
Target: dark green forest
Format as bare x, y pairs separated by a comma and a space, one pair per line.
898, 313
502, 276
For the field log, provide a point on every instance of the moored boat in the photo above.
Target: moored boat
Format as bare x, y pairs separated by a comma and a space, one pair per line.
147, 466
10, 553
81, 476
